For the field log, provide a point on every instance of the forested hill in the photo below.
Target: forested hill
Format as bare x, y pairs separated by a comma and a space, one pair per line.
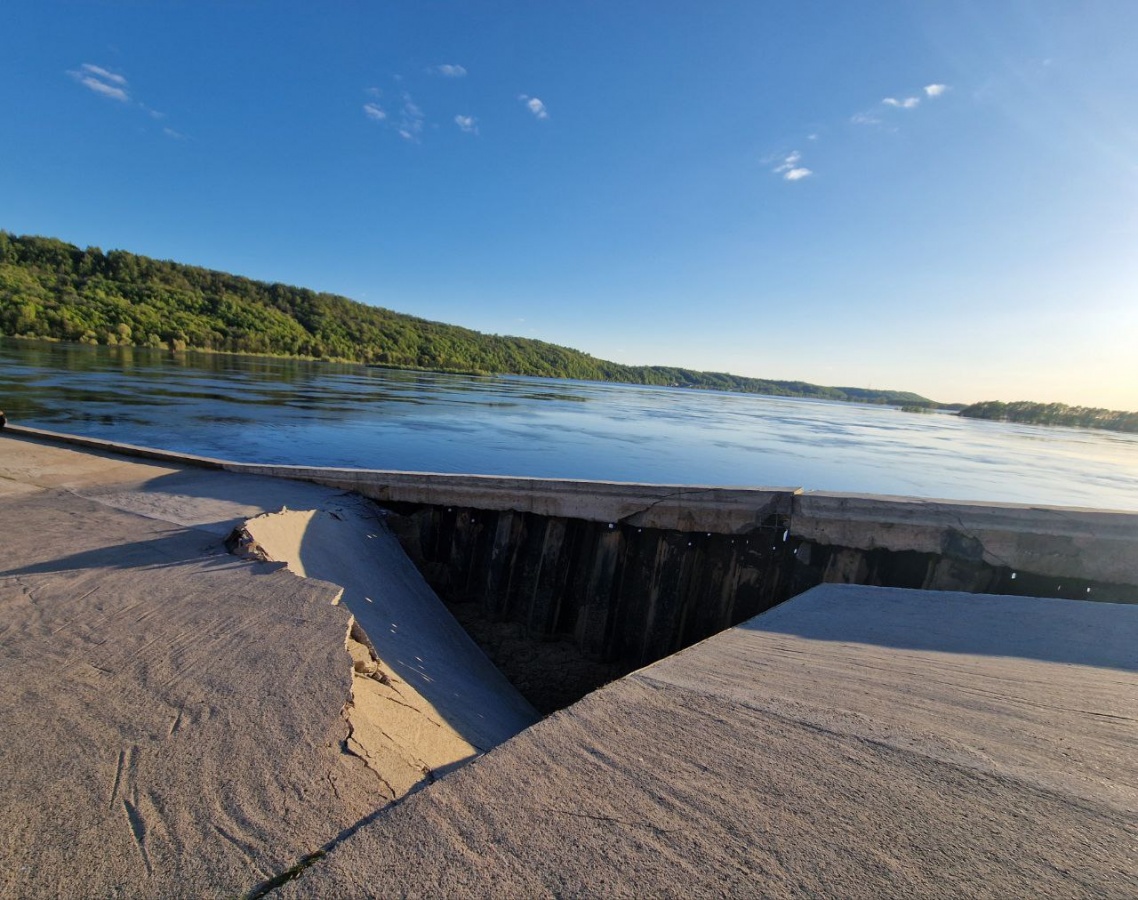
51, 289
1054, 414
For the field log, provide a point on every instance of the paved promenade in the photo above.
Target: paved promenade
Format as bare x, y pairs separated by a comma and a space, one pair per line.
173, 725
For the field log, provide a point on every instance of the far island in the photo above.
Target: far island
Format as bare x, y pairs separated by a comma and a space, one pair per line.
1030, 413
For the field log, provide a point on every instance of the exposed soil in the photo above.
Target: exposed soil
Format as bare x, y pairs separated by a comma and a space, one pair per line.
549, 674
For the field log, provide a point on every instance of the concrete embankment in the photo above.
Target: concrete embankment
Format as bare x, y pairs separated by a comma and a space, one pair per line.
628, 573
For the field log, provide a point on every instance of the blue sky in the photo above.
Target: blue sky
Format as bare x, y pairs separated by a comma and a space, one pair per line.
933, 196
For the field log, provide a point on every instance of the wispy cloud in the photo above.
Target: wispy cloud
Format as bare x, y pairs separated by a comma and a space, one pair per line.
790, 169
535, 106
410, 125
863, 118
404, 116
469, 124
114, 86
104, 74
448, 71
906, 103
935, 90
102, 81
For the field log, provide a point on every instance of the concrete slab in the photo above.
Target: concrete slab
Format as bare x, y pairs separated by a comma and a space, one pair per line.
173, 719
855, 742
170, 715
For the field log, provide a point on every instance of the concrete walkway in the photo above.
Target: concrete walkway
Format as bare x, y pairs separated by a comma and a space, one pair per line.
854, 742
172, 726
178, 722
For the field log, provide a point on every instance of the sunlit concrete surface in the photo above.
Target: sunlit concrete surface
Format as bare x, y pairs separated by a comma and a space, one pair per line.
854, 742
176, 721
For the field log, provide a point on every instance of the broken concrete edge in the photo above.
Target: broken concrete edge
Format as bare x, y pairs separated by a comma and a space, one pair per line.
365, 664
357, 645
1074, 542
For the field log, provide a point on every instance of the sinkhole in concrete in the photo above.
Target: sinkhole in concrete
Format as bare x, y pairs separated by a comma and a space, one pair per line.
563, 606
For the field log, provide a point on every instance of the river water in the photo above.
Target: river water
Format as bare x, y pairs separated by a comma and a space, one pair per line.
287, 411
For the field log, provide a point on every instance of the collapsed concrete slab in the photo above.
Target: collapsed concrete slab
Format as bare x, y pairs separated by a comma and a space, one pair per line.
424, 698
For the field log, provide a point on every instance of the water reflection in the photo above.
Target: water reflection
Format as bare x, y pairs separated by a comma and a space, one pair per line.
293, 411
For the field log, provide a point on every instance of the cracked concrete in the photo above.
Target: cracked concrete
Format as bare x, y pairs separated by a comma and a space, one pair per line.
173, 725
172, 716
424, 697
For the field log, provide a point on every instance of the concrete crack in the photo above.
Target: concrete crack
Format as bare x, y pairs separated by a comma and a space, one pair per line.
965, 532
681, 492
347, 749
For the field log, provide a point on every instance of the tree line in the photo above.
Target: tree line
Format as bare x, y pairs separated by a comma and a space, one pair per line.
1053, 414
54, 290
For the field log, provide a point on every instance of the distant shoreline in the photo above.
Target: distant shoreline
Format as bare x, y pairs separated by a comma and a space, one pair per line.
50, 289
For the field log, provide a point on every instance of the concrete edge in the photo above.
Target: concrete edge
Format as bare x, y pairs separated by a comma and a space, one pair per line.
1090, 544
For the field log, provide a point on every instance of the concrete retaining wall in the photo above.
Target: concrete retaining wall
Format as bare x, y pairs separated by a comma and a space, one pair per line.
632, 572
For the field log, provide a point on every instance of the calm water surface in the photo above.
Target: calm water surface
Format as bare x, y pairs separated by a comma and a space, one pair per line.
285, 411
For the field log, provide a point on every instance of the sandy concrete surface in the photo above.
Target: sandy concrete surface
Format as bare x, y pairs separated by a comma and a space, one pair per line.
172, 717
854, 742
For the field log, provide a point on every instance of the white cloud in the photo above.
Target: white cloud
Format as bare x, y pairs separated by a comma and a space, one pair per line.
935, 90
374, 111
102, 81
535, 106
449, 71
104, 74
469, 124
175, 135
864, 119
789, 168
107, 90
907, 103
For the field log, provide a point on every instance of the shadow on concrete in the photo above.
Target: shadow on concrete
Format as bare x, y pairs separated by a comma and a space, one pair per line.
168, 551
1075, 632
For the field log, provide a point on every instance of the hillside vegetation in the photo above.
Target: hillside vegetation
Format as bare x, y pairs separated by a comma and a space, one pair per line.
1053, 414
52, 289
